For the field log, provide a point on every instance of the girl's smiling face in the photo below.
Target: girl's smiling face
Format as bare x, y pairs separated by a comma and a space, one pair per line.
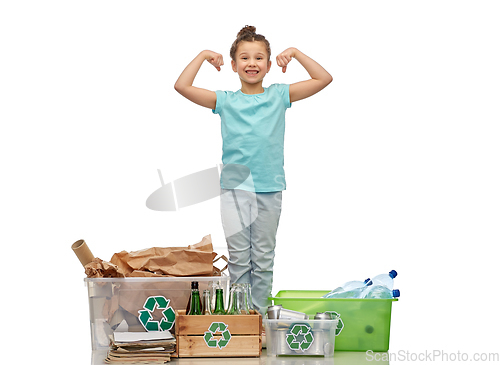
252, 62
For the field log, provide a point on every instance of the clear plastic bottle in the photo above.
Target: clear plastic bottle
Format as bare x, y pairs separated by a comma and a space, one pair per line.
349, 286
386, 280
354, 293
380, 292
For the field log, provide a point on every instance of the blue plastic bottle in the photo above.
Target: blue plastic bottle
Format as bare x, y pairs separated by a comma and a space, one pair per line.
386, 280
351, 289
379, 292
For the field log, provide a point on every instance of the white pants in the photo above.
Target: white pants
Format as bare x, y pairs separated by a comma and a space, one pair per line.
250, 221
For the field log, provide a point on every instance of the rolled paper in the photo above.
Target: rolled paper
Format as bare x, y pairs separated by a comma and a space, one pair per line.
82, 251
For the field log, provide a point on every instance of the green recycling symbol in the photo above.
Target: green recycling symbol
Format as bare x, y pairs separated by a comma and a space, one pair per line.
223, 340
299, 337
340, 325
146, 317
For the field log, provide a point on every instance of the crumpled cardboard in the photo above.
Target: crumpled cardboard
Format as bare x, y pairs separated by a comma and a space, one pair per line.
194, 260
98, 268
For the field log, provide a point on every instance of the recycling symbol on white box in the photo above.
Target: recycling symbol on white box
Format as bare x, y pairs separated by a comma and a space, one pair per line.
299, 336
212, 330
146, 316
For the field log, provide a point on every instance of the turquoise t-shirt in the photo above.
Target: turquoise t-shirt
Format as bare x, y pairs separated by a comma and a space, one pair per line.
253, 134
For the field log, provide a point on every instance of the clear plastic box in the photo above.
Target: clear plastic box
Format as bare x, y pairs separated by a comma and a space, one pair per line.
140, 304
311, 337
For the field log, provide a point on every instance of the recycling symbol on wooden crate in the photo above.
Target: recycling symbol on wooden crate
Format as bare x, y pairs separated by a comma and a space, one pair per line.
146, 315
299, 336
222, 342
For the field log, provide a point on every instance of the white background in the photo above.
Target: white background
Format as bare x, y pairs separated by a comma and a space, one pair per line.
395, 165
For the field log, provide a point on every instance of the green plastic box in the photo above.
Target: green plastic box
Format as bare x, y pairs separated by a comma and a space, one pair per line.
364, 324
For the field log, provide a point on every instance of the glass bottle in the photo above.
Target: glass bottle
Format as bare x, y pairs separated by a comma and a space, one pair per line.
207, 306
248, 294
237, 300
194, 285
219, 302
195, 303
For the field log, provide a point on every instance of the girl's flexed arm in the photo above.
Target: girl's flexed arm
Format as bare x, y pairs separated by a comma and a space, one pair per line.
319, 76
184, 84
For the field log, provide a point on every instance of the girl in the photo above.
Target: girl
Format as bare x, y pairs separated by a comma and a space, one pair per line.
253, 127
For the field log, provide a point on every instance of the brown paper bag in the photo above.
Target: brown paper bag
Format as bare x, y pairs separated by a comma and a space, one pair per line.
194, 260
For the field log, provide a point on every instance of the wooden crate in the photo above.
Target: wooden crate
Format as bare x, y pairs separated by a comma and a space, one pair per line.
202, 336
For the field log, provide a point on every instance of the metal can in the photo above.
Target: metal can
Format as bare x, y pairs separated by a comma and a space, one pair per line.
273, 311
280, 345
322, 315
290, 314
317, 344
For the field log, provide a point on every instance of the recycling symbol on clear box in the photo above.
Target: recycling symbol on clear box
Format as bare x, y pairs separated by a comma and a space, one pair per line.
212, 330
146, 316
299, 336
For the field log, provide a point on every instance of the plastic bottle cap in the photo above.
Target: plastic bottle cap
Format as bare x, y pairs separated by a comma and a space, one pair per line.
393, 274
396, 293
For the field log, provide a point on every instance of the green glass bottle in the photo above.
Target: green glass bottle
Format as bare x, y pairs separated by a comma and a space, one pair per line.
219, 302
195, 303
194, 285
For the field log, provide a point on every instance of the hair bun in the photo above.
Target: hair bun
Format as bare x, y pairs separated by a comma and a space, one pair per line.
247, 34
246, 29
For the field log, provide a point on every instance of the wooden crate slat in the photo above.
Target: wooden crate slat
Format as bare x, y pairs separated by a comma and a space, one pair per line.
238, 325
238, 346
